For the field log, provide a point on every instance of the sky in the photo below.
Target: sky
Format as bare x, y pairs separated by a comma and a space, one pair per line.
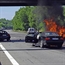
8, 12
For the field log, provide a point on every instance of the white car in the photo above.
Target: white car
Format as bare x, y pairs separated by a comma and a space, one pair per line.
31, 30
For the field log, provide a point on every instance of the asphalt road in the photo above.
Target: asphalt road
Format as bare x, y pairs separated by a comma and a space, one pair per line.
17, 52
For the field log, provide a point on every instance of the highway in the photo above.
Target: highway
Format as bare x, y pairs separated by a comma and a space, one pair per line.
17, 52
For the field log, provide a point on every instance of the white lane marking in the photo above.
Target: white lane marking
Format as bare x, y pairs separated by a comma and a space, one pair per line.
13, 61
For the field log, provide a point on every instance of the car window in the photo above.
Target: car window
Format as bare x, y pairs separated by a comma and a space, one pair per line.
30, 35
1, 31
31, 29
51, 34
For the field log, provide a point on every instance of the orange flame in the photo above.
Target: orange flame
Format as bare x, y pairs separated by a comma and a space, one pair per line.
52, 26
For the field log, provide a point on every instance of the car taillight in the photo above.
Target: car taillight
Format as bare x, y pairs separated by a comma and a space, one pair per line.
61, 38
8, 34
47, 38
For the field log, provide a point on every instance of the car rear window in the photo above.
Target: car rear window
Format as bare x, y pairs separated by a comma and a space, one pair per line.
30, 35
51, 34
3, 32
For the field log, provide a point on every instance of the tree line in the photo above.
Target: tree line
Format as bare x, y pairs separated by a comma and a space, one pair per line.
34, 16
5, 24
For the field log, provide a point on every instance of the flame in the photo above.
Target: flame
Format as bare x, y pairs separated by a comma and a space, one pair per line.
52, 26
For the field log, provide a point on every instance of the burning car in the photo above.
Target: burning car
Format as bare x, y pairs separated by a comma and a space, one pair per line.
50, 39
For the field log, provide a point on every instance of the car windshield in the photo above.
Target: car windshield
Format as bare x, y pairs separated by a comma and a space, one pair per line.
2, 32
30, 35
31, 29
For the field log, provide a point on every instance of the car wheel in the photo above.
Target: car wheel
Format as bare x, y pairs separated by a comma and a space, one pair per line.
59, 46
41, 43
26, 40
33, 44
8, 39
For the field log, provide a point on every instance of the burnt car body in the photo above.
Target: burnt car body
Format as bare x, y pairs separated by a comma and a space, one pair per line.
31, 37
50, 39
4, 36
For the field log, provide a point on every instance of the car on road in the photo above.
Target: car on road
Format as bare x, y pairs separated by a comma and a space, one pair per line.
4, 35
31, 30
50, 39
31, 37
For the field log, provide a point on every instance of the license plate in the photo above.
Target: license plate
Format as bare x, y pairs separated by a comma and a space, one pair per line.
4, 35
54, 38
52, 45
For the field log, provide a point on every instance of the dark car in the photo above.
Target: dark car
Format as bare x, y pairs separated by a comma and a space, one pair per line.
31, 37
50, 39
4, 36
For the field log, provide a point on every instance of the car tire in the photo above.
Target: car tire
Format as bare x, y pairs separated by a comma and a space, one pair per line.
26, 40
33, 44
8, 39
59, 46
41, 43
0, 63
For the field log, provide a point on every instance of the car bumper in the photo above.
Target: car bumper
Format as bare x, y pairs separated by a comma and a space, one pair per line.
31, 39
1, 38
54, 42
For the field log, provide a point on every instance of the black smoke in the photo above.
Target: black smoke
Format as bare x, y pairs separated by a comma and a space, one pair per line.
47, 9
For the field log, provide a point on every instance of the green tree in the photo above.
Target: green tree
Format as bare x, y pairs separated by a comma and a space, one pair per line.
5, 23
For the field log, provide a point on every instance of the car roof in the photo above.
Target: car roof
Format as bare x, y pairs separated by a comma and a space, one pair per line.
2, 30
50, 32
53, 33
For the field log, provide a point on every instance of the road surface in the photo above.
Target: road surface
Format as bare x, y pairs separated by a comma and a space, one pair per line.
17, 52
